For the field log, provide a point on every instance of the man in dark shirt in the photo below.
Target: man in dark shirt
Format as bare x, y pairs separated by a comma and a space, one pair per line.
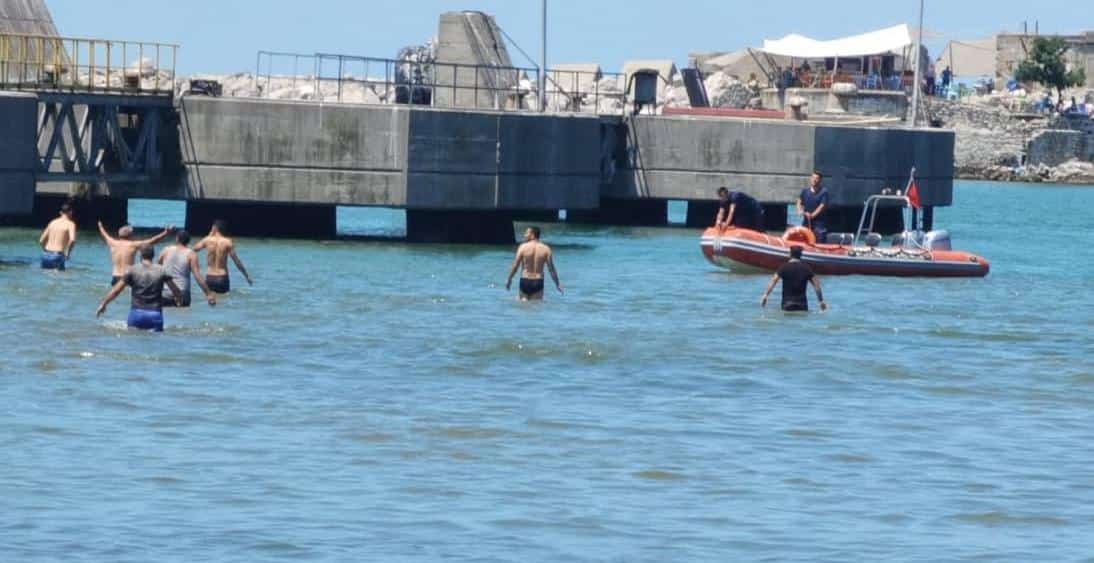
146, 280
794, 274
813, 206
739, 210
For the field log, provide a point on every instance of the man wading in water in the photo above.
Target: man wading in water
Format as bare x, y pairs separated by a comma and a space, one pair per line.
57, 240
146, 281
123, 249
180, 263
795, 274
220, 248
531, 256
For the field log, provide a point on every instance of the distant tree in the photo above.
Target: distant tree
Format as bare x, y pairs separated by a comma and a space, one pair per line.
1045, 64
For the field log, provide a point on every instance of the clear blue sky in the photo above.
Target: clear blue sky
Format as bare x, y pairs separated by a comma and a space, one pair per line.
220, 36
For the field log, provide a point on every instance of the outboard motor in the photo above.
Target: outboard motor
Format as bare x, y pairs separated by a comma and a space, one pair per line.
872, 240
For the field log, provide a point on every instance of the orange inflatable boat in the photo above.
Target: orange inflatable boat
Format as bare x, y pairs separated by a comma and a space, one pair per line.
912, 253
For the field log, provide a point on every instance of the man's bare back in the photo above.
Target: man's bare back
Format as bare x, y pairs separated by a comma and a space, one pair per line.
219, 249
59, 235
531, 257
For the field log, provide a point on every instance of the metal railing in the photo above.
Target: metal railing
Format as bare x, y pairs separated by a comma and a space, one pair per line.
356, 79
43, 62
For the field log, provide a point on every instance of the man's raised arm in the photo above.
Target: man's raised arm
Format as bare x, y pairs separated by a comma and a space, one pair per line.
162, 235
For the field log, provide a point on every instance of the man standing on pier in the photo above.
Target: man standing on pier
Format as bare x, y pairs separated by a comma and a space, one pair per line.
812, 205
738, 209
123, 249
531, 256
220, 248
794, 275
57, 240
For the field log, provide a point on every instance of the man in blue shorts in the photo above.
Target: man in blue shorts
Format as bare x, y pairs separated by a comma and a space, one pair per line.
739, 210
57, 240
794, 274
146, 280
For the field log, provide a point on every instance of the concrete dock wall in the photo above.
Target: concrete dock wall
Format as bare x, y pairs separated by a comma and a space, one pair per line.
18, 159
496, 160
306, 153
291, 152
686, 157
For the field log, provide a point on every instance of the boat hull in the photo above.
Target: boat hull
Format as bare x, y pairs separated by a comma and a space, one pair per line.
747, 250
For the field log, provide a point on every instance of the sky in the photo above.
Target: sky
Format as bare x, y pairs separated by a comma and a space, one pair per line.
224, 36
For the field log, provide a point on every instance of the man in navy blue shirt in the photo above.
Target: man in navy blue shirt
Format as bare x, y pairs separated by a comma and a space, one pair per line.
813, 206
739, 210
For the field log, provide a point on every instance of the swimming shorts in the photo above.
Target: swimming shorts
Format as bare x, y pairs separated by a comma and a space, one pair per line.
145, 319
53, 260
530, 286
218, 284
114, 280
795, 307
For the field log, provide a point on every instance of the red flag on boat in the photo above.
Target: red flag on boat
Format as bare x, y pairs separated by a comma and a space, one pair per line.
913, 195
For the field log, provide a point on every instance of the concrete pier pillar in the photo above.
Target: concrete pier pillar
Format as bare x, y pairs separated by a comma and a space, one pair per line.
263, 219
541, 216
701, 214
624, 212
775, 217
460, 226
112, 212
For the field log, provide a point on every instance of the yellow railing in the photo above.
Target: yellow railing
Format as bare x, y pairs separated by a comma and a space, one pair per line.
43, 62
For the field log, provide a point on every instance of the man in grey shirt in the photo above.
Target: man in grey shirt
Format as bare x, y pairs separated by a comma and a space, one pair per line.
146, 281
181, 262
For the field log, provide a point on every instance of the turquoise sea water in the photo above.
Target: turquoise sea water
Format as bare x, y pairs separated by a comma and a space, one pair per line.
385, 401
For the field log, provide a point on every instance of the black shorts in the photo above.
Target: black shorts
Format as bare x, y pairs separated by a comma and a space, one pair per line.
795, 307
114, 280
530, 286
218, 284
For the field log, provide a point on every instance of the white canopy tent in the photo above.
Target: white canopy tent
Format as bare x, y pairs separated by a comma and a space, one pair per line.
886, 40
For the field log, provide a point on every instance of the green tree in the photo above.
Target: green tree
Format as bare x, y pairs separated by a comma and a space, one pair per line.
1046, 64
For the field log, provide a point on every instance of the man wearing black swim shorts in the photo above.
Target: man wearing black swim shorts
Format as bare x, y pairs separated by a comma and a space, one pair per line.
531, 256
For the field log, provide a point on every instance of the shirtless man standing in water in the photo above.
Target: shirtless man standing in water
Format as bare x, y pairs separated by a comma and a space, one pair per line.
123, 249
220, 248
57, 240
533, 254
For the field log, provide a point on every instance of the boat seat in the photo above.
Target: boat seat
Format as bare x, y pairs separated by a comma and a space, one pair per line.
872, 240
839, 238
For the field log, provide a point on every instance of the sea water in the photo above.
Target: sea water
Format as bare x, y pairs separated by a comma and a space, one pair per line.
370, 400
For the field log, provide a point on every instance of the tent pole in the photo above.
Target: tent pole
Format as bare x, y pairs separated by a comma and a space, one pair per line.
915, 80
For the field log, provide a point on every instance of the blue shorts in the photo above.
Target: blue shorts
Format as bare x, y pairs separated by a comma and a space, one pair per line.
53, 260
145, 319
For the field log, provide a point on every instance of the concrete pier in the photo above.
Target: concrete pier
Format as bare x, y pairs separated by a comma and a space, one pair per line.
625, 212
113, 212
18, 157
460, 226
252, 219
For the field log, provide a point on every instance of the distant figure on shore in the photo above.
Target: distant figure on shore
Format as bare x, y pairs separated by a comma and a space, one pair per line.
794, 275
739, 210
531, 256
812, 205
57, 240
220, 248
180, 263
947, 77
146, 281
123, 249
